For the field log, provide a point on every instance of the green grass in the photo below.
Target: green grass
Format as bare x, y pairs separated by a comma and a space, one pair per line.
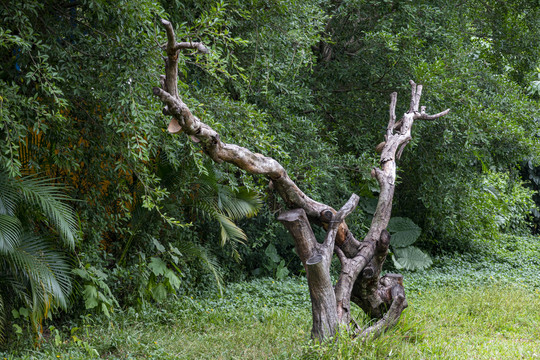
479, 305
266, 319
474, 323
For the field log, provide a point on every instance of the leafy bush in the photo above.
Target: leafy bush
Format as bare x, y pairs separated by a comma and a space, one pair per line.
487, 205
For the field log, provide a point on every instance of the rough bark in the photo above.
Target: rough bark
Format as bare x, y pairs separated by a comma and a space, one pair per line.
381, 298
316, 259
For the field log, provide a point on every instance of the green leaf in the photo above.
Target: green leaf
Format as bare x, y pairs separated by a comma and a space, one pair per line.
90, 295
24, 312
10, 232
174, 281
206, 259
396, 263
50, 199
157, 266
271, 252
158, 245
404, 232
105, 310
412, 258
282, 271
175, 250
159, 293
369, 205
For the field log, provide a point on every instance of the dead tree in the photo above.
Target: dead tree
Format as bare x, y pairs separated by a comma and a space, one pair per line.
382, 298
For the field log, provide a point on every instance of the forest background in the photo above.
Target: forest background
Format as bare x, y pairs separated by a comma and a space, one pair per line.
101, 209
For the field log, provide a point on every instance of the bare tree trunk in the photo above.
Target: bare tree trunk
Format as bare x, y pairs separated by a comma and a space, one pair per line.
359, 281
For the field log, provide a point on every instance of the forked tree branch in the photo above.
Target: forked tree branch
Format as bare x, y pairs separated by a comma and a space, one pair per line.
383, 298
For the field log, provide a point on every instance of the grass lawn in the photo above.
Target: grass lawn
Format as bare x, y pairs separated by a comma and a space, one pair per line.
266, 319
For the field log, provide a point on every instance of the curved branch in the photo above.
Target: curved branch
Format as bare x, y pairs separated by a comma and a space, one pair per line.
424, 116
184, 120
192, 45
337, 219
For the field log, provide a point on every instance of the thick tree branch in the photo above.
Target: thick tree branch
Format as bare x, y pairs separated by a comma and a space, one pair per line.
392, 122
171, 62
184, 120
371, 295
391, 289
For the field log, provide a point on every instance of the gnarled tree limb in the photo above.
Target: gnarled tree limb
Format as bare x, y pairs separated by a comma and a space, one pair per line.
382, 298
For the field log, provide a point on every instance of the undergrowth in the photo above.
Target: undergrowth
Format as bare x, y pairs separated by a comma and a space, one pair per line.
482, 306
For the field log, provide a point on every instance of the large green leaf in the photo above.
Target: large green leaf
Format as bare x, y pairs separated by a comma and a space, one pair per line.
157, 266
174, 281
90, 293
159, 293
404, 232
411, 258
271, 252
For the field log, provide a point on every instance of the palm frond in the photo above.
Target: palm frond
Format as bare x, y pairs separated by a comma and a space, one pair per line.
10, 232
205, 259
14, 286
8, 196
45, 270
240, 204
32, 272
50, 200
223, 204
229, 230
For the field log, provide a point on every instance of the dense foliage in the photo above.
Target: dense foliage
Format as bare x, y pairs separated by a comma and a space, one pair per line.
306, 82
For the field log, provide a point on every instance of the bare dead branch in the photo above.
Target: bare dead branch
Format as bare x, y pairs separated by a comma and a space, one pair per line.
192, 45
337, 219
392, 122
171, 40
340, 254
392, 284
413, 95
171, 63
401, 148
431, 117
330, 305
345, 210
297, 223
417, 96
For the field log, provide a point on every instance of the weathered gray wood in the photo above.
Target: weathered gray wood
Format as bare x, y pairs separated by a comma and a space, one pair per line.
391, 291
361, 261
365, 291
297, 223
317, 264
323, 300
